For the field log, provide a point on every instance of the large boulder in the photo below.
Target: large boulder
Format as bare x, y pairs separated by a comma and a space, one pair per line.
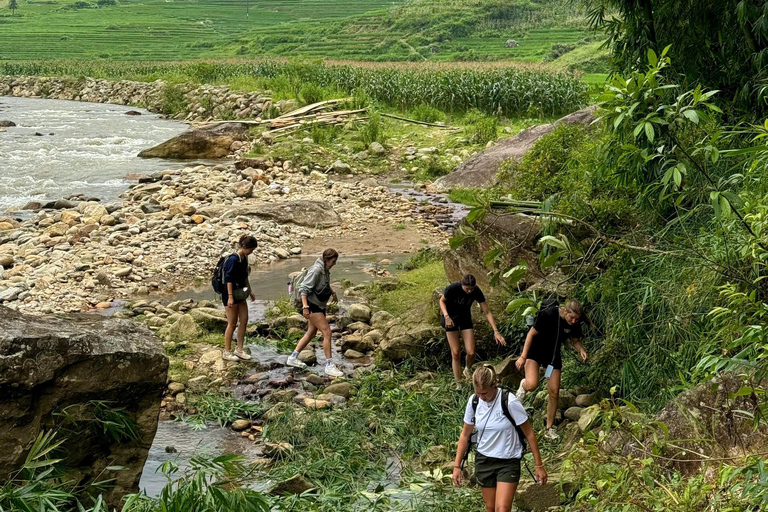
481, 169
307, 213
209, 142
80, 364
518, 235
210, 318
416, 343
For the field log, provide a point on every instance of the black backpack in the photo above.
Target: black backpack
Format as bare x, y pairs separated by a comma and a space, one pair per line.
505, 409
217, 281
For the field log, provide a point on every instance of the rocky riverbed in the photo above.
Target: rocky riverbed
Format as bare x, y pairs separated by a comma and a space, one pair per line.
168, 232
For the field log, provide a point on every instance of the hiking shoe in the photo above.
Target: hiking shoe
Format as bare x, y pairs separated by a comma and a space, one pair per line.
459, 387
332, 371
467, 374
242, 355
552, 434
521, 392
229, 356
294, 361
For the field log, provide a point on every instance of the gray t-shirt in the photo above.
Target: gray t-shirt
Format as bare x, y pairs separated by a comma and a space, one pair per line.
496, 436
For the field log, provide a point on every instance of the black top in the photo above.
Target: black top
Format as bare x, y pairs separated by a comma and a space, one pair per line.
458, 302
236, 271
548, 321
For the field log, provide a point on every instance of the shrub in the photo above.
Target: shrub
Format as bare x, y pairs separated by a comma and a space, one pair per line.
480, 129
428, 114
371, 131
311, 93
174, 100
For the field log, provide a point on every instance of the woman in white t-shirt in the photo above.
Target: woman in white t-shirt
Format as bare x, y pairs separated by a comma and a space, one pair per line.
497, 462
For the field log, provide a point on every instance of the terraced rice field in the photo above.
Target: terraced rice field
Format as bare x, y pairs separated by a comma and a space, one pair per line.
160, 29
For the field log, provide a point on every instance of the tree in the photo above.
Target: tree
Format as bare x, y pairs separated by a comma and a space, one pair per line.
720, 44
13, 5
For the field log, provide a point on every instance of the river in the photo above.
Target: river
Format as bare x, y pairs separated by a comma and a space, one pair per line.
83, 148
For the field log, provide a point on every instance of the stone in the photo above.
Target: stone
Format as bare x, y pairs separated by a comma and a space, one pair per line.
123, 272
507, 372
93, 211
315, 379
381, 318
532, 496
359, 313
359, 326
480, 170
183, 330
243, 189
307, 356
209, 318
283, 395
372, 338
340, 167
240, 425
376, 149
344, 389
287, 322
6, 123
276, 411
277, 450
573, 413
565, 400
57, 229
353, 354
510, 43
210, 357
198, 384
314, 403
588, 417
175, 388
418, 342
209, 142
586, 399
355, 342
49, 363
297, 484
307, 213
6, 260
318, 176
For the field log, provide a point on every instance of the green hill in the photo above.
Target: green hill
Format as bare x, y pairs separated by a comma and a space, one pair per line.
371, 30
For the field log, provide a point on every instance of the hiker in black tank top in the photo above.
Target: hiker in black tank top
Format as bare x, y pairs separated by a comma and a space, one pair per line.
237, 290
542, 348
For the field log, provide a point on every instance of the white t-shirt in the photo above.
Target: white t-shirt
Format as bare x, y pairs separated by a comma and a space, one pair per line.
496, 436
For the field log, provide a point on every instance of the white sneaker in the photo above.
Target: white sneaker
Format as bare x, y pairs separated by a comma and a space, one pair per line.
332, 371
242, 355
521, 392
552, 434
467, 374
229, 356
294, 361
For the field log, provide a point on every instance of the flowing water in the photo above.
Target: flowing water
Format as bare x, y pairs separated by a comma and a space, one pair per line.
83, 148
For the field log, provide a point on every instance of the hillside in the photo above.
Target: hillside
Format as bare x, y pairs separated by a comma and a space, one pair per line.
371, 30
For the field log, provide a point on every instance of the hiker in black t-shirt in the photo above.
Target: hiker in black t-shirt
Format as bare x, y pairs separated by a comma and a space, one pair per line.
455, 306
553, 326
238, 289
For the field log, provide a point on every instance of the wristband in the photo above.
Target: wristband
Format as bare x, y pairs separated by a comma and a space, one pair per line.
305, 307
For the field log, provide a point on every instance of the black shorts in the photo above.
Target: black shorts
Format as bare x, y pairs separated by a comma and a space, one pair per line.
313, 308
460, 323
225, 299
542, 354
490, 470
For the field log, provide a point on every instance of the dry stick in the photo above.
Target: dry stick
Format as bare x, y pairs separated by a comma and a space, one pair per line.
314, 106
418, 122
599, 233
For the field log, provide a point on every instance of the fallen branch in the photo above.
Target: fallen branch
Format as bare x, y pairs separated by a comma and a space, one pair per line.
444, 127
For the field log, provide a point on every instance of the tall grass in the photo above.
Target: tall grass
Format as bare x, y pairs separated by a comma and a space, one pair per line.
496, 90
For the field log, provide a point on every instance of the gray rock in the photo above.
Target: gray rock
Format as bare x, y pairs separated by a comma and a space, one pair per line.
307, 213
340, 167
51, 363
240, 425
587, 399
376, 149
359, 313
418, 342
573, 413
209, 142
297, 484
307, 356
344, 389
4, 123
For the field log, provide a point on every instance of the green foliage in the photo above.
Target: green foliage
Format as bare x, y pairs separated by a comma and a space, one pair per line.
480, 129
13, 5
174, 100
428, 114
414, 298
423, 257
221, 408
311, 93
99, 418
372, 130
321, 134
733, 60
208, 485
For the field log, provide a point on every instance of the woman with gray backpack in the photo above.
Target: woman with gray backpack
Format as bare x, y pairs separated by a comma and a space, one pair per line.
497, 423
314, 293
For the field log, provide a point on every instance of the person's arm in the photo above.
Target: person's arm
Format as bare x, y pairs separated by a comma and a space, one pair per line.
444, 311
229, 278
307, 285
466, 433
530, 435
580, 349
496, 334
532, 333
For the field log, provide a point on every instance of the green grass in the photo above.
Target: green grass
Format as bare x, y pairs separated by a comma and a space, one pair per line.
371, 30
414, 297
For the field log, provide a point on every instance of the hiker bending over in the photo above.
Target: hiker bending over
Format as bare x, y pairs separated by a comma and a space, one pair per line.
315, 293
492, 412
553, 325
455, 306
237, 290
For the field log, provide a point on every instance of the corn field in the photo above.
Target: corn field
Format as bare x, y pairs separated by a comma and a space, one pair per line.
508, 91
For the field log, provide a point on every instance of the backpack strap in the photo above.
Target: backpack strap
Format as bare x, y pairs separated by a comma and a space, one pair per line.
505, 405
475, 401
